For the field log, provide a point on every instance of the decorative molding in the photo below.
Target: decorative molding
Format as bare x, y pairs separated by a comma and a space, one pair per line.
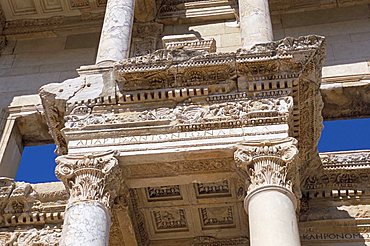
188, 41
338, 180
185, 116
21, 205
45, 236
271, 162
94, 177
138, 220
346, 160
164, 169
212, 241
26, 27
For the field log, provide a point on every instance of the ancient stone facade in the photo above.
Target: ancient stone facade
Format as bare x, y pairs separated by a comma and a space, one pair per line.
170, 139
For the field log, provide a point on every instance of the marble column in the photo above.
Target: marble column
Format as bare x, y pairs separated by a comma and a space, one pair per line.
92, 182
270, 201
115, 37
255, 22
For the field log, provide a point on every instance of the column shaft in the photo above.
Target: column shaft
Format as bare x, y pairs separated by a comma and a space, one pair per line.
272, 219
93, 182
115, 37
86, 223
255, 22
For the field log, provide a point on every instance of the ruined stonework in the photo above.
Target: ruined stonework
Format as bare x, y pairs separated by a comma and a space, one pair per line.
168, 140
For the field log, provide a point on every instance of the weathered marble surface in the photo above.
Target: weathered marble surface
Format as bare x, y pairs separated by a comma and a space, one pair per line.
86, 223
116, 33
272, 219
255, 22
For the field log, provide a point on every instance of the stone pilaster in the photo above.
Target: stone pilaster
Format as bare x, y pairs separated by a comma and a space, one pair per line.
255, 22
115, 37
93, 182
270, 201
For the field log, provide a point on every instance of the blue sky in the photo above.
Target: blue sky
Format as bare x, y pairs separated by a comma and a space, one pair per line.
37, 163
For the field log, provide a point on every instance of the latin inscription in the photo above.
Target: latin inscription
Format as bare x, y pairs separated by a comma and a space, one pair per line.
177, 136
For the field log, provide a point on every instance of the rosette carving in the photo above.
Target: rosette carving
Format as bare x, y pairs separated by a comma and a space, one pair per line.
90, 177
268, 162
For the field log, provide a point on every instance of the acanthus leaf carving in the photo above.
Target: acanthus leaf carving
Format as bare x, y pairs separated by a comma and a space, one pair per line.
268, 162
90, 177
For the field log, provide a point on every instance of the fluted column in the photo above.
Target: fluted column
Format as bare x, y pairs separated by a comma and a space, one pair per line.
115, 37
255, 22
270, 201
93, 182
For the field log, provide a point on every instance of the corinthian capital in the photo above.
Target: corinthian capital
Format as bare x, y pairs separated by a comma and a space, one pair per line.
268, 163
90, 177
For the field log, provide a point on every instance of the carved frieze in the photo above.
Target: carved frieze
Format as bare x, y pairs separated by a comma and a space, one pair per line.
338, 180
212, 241
344, 175
209, 115
21, 205
346, 160
21, 199
47, 236
175, 168
269, 162
94, 177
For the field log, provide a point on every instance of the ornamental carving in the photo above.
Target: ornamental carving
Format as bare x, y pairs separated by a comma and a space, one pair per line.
245, 112
269, 162
346, 160
212, 241
46, 236
17, 200
172, 219
169, 192
94, 177
337, 179
181, 167
217, 217
214, 189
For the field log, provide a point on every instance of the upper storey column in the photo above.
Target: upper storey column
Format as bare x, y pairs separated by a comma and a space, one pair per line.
93, 182
270, 201
115, 37
255, 22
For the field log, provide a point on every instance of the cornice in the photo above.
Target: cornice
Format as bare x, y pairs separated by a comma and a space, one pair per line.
346, 160
25, 204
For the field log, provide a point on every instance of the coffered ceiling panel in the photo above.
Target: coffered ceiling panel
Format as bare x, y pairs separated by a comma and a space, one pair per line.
36, 9
22, 7
51, 6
